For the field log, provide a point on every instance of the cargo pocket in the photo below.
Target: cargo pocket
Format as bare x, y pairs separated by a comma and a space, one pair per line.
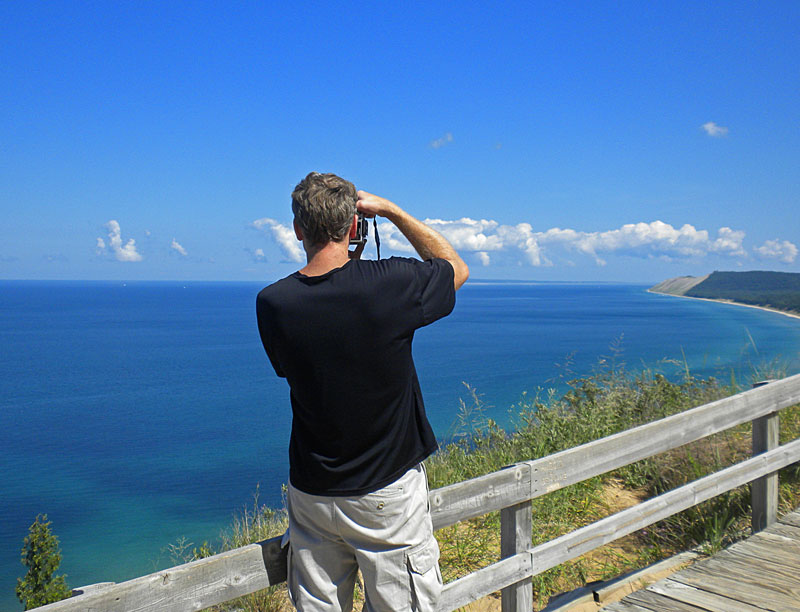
425, 576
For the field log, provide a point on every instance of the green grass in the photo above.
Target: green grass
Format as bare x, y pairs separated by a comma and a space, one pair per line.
593, 407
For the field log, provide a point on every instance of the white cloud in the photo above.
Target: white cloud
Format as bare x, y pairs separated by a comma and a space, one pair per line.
176, 246
440, 142
493, 243
656, 239
729, 242
284, 235
257, 255
644, 240
782, 250
647, 240
126, 252
714, 130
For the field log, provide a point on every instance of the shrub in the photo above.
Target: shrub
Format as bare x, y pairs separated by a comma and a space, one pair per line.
41, 555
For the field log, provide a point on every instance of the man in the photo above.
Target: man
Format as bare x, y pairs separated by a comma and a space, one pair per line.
340, 331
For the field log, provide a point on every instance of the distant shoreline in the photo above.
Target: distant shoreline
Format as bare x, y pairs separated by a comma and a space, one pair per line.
766, 308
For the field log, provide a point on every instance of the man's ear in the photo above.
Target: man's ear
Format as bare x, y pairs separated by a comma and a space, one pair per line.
297, 231
354, 226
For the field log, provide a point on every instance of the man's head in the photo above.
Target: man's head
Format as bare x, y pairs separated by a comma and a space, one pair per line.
323, 207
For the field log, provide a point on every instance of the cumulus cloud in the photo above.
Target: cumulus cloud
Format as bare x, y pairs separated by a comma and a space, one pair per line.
175, 245
714, 130
782, 250
729, 242
126, 252
643, 240
283, 235
440, 142
493, 243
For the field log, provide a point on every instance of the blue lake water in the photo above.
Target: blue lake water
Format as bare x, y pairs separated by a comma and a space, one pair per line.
136, 414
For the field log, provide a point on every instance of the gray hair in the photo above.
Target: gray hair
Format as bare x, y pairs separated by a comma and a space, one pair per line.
323, 206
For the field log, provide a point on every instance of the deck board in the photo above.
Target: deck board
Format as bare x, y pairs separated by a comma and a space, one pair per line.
759, 574
792, 518
656, 602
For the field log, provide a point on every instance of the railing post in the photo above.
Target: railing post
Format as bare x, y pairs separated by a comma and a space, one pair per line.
764, 490
515, 537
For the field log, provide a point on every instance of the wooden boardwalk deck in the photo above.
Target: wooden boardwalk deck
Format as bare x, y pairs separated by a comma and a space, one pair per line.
757, 574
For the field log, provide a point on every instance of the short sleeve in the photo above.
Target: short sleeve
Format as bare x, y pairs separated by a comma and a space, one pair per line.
264, 330
438, 290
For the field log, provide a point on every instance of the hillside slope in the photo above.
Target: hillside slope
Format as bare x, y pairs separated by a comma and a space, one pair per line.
778, 290
679, 285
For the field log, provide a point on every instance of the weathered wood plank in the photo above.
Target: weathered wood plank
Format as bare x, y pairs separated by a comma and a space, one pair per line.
485, 581
497, 490
624, 606
764, 491
661, 603
769, 539
515, 537
757, 551
479, 496
581, 541
783, 530
713, 602
791, 518
576, 543
192, 586
749, 585
779, 574
640, 578
577, 464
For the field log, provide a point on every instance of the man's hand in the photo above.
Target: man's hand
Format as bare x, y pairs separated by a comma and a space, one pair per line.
372, 205
426, 241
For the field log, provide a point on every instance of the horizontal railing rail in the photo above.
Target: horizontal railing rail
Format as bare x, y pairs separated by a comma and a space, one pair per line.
225, 576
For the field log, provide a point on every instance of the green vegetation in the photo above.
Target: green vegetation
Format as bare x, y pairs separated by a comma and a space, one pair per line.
609, 401
41, 555
779, 290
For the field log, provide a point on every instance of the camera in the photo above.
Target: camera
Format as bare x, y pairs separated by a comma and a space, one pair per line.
362, 229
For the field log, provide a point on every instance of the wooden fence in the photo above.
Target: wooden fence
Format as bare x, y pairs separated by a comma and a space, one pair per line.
205, 582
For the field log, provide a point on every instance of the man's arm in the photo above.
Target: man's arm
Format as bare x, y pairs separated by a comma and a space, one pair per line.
427, 241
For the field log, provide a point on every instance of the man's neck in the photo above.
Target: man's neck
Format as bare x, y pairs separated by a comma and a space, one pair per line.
321, 260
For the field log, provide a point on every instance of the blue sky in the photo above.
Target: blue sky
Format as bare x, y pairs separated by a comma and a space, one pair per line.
608, 141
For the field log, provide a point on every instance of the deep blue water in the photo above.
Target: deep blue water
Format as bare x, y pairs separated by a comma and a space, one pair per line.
136, 414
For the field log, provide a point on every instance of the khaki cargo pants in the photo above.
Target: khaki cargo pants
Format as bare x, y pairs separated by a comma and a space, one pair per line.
386, 534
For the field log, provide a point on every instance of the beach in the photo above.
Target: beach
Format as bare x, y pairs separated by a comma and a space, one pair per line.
765, 308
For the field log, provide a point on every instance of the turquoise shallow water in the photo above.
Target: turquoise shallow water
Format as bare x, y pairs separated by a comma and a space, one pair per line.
136, 414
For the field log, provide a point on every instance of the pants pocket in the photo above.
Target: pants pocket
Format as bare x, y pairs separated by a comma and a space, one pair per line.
425, 576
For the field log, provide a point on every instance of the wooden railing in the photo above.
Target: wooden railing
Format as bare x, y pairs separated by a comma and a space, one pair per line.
205, 582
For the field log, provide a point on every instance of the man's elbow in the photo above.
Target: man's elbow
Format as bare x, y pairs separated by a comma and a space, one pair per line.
460, 273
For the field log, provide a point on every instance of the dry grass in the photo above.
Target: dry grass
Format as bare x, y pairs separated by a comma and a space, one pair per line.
594, 407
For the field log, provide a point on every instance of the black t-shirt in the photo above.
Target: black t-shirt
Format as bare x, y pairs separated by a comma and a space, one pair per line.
343, 342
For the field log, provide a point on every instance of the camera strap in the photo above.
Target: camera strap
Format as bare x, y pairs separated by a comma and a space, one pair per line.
377, 238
